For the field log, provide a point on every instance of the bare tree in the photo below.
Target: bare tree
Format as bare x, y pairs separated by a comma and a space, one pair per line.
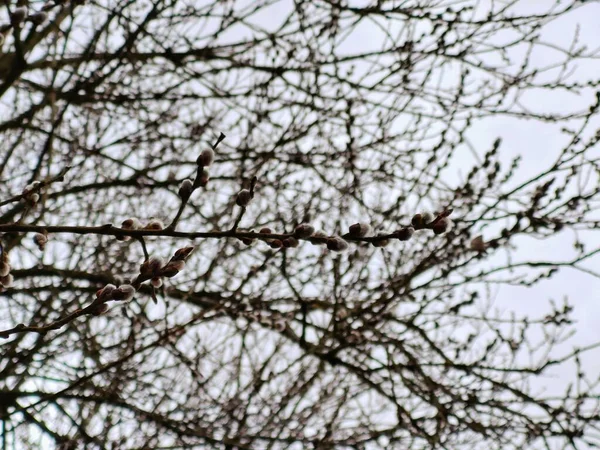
225, 224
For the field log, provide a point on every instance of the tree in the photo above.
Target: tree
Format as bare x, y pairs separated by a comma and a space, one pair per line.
274, 182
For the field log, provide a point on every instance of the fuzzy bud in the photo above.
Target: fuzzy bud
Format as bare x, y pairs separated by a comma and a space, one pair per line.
279, 325
131, 224
34, 198
417, 221
186, 189
4, 268
247, 241
405, 233
40, 240
337, 244
156, 282
106, 292
275, 243
290, 242
478, 244
7, 280
204, 177
155, 224
152, 266
38, 18
173, 268
243, 198
18, 15
441, 226
427, 218
265, 230
182, 254
124, 293
99, 309
304, 230
206, 158
381, 243
359, 229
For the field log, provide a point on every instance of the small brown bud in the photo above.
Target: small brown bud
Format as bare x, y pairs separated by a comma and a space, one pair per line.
265, 230
478, 244
186, 189
152, 267
441, 226
279, 325
427, 218
204, 177
405, 233
4, 268
7, 280
337, 244
290, 242
381, 242
206, 158
124, 293
417, 221
131, 224
40, 240
243, 198
359, 229
173, 268
155, 224
18, 15
183, 253
106, 292
38, 18
275, 243
99, 309
304, 230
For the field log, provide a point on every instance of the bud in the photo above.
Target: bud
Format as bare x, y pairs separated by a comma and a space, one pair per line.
360, 229
478, 244
275, 243
427, 217
265, 230
124, 293
182, 254
290, 242
279, 325
206, 158
106, 292
417, 221
40, 240
441, 226
34, 198
152, 266
38, 18
131, 224
405, 233
4, 268
337, 244
173, 268
155, 224
204, 177
7, 280
186, 189
381, 242
156, 282
99, 309
304, 230
243, 198
18, 15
